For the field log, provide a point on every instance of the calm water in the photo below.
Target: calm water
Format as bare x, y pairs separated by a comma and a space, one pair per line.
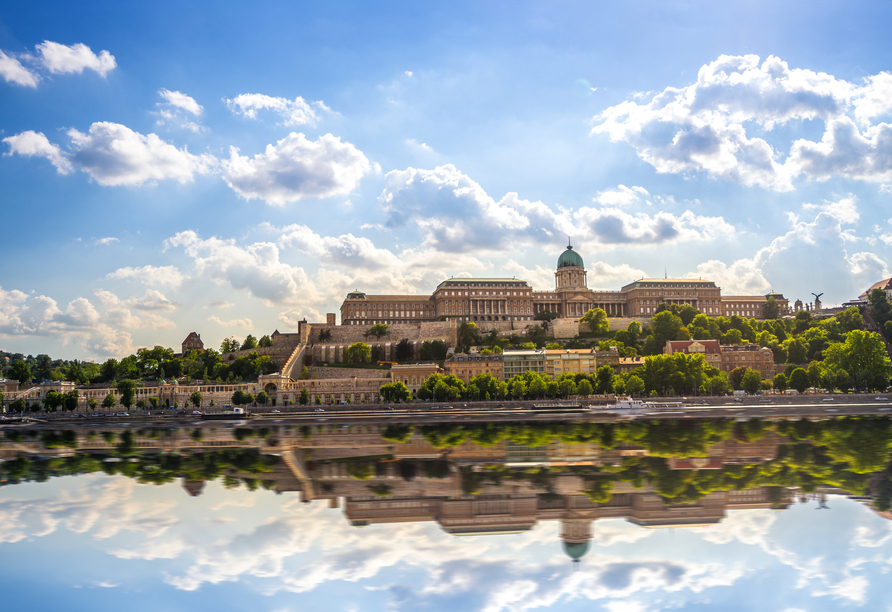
106, 538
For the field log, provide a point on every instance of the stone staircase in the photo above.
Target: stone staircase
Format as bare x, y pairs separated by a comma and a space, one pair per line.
293, 359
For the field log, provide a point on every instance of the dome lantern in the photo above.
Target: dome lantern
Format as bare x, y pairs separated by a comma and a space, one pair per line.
570, 258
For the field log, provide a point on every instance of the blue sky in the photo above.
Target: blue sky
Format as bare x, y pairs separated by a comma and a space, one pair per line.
168, 168
143, 547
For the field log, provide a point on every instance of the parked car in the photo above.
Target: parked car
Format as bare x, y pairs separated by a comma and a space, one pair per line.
122, 414
828, 399
196, 413
320, 410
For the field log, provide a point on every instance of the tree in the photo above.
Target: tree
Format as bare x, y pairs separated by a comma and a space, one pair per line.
359, 352
196, 398
799, 380
797, 352
127, 389
109, 401
605, 379
468, 334
229, 345
568, 387
597, 321
70, 400
435, 350
850, 319
780, 382
735, 377
43, 368
304, 397
634, 385
538, 387
250, 343
263, 398
324, 335
405, 351
395, 392
880, 309
770, 309
19, 405
53, 400
265, 341
665, 327
546, 316
379, 330
584, 388
751, 382
863, 354
21, 372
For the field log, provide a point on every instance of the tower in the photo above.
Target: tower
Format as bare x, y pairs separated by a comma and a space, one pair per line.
570, 274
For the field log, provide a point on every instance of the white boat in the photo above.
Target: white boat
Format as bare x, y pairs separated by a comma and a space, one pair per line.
630, 405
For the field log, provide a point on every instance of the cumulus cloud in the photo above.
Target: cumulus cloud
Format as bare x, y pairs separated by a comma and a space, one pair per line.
709, 126
13, 71
455, 214
114, 155
36, 144
149, 275
255, 268
621, 196
243, 323
118, 311
742, 277
62, 59
292, 112
178, 109
296, 168
106, 241
39, 315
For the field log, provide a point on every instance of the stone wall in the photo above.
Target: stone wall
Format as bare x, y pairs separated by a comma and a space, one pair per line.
327, 373
279, 352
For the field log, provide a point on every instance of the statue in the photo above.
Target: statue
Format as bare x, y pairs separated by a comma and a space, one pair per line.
817, 300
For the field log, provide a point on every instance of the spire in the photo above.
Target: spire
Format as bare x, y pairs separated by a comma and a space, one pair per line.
569, 244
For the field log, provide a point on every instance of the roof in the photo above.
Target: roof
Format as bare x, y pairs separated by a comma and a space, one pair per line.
570, 258
575, 550
683, 345
476, 281
883, 284
190, 336
386, 298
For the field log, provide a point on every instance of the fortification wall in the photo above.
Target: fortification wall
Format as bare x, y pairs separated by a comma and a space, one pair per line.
279, 352
329, 373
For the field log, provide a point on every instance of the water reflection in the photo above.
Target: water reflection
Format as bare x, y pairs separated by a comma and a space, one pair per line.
369, 515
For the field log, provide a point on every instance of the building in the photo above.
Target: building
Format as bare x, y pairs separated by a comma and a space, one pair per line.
467, 367
885, 285
413, 375
192, 343
517, 362
710, 350
8, 386
751, 356
512, 299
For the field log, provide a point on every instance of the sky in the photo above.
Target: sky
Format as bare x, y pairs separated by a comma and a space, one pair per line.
119, 544
166, 168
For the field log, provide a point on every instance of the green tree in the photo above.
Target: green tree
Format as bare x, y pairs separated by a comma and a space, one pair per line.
229, 345
780, 382
537, 387
265, 341
797, 352
44, 367
604, 377
304, 397
249, 344
665, 326
584, 388
21, 372
770, 309
19, 405
378, 330
127, 389
263, 398
196, 398
109, 401
53, 400
735, 377
751, 381
597, 321
850, 319
358, 353
395, 392
880, 309
799, 380
468, 334
70, 400
405, 351
568, 387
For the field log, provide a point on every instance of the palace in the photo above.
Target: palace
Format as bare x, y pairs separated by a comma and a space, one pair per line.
512, 299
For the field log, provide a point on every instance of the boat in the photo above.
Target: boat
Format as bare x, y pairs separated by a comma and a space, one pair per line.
633, 406
230, 414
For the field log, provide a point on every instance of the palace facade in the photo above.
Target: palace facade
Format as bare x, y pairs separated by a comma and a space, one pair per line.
512, 299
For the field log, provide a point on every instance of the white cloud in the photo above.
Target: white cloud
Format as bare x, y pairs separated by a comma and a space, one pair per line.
614, 226
743, 277
12, 71
421, 146
293, 112
118, 311
296, 168
455, 214
408, 73
150, 275
621, 196
345, 250
707, 126
843, 209
62, 59
255, 268
180, 100
106, 241
243, 323
113, 155
36, 144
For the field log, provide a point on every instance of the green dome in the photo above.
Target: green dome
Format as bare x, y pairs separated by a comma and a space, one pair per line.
576, 550
570, 258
